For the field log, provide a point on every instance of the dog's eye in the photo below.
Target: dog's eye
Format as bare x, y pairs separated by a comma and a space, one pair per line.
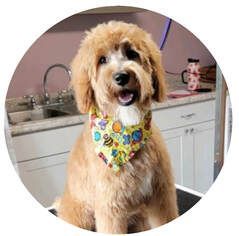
102, 60
131, 54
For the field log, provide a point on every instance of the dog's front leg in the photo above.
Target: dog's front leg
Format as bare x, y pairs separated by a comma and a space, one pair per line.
109, 222
162, 208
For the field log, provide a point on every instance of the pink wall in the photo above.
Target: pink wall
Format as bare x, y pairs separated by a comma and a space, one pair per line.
59, 45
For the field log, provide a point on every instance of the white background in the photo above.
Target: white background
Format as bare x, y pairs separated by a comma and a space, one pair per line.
213, 22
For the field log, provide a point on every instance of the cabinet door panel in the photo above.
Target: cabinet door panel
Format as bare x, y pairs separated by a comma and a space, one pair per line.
188, 161
173, 141
173, 145
203, 156
44, 177
180, 147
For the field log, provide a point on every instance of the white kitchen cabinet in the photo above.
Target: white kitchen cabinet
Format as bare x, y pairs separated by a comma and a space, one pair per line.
41, 160
191, 149
189, 135
44, 177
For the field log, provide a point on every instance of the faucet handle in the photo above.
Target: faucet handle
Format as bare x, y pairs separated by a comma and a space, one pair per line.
60, 95
31, 99
70, 93
47, 98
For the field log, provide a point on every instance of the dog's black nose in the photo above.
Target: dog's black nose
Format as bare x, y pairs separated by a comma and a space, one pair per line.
121, 78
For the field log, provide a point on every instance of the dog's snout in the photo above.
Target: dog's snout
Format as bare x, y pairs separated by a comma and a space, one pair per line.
121, 78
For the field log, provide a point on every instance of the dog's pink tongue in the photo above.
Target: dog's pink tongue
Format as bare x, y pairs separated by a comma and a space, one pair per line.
125, 96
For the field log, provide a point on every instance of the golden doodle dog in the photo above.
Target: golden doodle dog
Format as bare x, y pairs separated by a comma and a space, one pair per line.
119, 174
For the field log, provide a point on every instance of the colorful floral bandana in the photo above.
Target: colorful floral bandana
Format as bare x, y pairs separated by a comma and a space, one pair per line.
117, 144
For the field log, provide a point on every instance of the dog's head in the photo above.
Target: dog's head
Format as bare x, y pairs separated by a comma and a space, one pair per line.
118, 68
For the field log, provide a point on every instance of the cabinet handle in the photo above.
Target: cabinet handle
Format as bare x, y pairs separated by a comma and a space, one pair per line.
193, 131
188, 116
189, 131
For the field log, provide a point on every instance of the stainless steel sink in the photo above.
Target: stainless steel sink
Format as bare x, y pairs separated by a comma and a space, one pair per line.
42, 112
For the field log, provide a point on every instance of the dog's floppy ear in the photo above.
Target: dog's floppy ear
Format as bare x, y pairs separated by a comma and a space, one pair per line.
158, 80
81, 82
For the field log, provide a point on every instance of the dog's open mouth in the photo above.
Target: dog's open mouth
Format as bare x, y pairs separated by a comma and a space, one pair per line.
127, 97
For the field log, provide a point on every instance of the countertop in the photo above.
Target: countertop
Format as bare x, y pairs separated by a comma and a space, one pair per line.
173, 81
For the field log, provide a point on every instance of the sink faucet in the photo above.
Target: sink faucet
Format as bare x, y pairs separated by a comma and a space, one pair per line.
46, 94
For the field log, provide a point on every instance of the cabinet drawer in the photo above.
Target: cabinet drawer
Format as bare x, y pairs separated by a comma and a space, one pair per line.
45, 143
184, 115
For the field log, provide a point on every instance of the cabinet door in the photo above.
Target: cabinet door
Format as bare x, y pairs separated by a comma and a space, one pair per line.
203, 152
191, 151
180, 145
44, 177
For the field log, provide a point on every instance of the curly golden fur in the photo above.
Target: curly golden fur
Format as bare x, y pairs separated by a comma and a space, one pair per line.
142, 195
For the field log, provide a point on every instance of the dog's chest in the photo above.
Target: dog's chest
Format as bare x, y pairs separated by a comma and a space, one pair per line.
141, 180
132, 186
